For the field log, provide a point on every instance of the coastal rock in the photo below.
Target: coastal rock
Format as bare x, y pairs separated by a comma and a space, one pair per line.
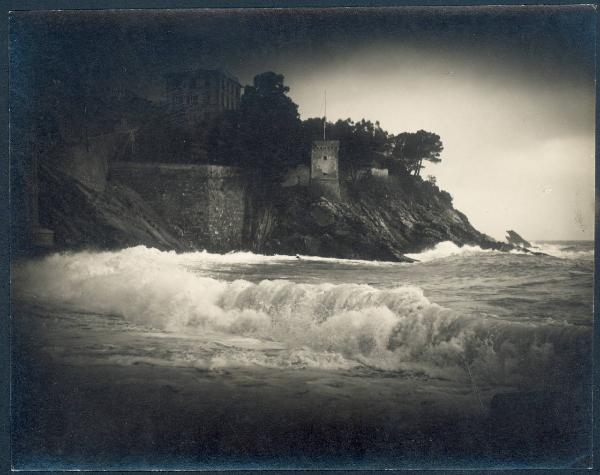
374, 219
512, 237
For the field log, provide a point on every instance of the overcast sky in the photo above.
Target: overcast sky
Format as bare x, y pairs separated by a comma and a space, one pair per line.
511, 94
509, 90
518, 142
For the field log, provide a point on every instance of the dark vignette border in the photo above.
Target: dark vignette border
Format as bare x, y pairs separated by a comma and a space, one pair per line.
12, 5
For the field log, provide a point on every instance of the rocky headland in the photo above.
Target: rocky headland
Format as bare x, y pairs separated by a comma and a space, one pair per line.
380, 219
375, 218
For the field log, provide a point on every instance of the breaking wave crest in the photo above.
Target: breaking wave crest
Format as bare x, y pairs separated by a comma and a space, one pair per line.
234, 258
343, 325
446, 249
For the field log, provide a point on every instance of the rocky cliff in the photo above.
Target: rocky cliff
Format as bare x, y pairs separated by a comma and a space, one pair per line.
375, 219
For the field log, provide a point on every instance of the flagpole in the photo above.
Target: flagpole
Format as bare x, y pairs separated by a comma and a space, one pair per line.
325, 116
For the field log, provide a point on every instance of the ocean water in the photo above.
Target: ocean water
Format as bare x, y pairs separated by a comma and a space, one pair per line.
437, 338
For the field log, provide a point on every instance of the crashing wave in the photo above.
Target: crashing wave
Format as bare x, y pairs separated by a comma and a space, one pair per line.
235, 258
334, 326
446, 249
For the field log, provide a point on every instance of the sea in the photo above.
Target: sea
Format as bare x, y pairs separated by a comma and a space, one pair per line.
395, 365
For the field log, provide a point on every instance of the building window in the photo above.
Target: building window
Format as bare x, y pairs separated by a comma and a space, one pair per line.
193, 82
195, 99
324, 157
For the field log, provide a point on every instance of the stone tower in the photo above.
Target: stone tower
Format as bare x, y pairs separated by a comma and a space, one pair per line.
324, 173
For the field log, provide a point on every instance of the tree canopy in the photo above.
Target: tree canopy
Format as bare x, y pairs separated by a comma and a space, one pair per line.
265, 134
269, 124
412, 148
364, 143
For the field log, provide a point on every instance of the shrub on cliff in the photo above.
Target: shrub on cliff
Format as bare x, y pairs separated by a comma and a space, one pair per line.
407, 189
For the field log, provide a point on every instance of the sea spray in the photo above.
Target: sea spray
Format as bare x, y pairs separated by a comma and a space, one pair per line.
446, 249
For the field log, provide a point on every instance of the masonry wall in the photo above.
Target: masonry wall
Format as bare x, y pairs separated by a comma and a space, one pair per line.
205, 204
226, 208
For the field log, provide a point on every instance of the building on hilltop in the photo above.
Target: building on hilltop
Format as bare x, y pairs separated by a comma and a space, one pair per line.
324, 171
200, 95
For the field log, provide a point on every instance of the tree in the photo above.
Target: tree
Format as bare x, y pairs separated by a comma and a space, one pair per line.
412, 148
269, 128
224, 147
362, 143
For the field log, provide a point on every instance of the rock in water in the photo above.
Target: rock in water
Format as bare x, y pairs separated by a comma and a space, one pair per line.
512, 237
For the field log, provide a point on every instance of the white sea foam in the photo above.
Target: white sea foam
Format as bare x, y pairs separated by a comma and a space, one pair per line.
320, 325
238, 258
251, 258
445, 249
448, 248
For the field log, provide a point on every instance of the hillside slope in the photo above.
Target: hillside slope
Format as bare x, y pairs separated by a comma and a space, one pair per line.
85, 218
